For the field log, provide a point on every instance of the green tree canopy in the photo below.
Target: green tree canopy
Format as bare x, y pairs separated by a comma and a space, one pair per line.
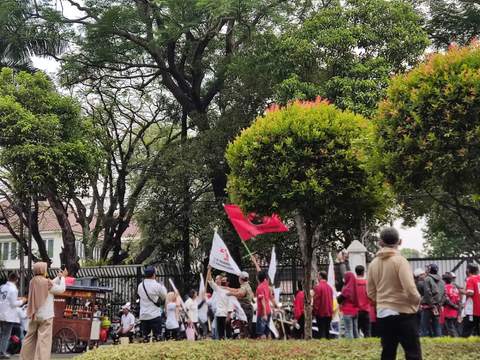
45, 147
411, 253
306, 161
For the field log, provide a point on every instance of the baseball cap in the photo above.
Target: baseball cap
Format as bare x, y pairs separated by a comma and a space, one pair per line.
418, 272
149, 271
452, 274
126, 306
244, 275
433, 267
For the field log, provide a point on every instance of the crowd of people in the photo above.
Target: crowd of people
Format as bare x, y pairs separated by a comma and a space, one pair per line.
391, 303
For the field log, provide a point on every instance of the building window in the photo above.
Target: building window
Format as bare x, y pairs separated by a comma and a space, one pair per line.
6, 247
50, 248
14, 251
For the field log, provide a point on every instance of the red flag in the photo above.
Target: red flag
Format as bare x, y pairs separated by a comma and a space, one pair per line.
254, 224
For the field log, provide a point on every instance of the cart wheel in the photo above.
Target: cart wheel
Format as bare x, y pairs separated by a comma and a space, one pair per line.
65, 340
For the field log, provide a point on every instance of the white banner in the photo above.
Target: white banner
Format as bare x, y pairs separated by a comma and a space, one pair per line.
331, 275
277, 294
175, 290
238, 309
272, 327
220, 258
202, 312
272, 269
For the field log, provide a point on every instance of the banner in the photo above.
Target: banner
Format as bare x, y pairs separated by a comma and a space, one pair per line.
202, 312
254, 224
331, 275
272, 269
277, 294
175, 291
238, 308
220, 258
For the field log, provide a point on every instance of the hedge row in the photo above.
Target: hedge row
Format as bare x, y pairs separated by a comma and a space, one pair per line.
445, 348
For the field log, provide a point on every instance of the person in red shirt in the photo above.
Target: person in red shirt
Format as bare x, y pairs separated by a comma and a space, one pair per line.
348, 299
264, 313
452, 314
364, 307
473, 301
299, 313
323, 305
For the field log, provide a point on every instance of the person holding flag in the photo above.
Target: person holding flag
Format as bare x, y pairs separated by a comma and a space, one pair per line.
264, 313
245, 296
222, 304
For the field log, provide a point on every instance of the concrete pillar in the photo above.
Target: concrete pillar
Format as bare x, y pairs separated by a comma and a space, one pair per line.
357, 255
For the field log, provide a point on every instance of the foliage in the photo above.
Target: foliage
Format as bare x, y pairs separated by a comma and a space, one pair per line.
347, 51
428, 128
453, 21
20, 39
43, 137
304, 158
411, 253
442, 349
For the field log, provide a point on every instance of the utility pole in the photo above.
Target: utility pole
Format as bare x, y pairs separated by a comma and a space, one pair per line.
22, 253
29, 270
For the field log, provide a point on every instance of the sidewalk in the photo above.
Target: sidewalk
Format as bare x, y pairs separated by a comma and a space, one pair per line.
62, 356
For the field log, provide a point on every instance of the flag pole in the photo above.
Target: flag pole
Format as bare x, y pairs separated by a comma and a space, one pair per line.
246, 247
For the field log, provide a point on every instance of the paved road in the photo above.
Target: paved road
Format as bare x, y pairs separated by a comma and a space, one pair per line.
55, 356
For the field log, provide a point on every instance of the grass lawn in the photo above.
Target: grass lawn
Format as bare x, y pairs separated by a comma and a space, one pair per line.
445, 348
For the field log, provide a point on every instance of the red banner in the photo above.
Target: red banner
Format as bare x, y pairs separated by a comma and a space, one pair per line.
254, 224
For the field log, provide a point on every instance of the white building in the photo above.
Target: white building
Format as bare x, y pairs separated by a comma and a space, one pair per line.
52, 235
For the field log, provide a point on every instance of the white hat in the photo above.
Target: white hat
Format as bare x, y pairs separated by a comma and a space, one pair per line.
243, 275
418, 272
126, 306
453, 274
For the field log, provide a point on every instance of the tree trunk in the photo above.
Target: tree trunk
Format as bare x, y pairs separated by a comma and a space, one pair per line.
68, 256
306, 233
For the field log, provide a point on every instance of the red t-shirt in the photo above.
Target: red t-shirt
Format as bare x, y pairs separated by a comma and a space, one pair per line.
363, 301
263, 292
473, 286
349, 308
323, 300
299, 305
454, 296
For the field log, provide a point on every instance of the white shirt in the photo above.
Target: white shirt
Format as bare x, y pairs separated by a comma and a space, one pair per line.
148, 310
192, 309
172, 321
46, 310
127, 321
212, 303
223, 303
97, 316
383, 313
9, 302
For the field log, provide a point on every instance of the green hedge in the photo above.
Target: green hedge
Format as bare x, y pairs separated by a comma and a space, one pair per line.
458, 349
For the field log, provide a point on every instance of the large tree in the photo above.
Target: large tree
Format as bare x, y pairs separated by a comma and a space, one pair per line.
45, 147
428, 133
306, 161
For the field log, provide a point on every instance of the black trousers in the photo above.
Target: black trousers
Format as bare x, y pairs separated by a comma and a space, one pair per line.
323, 324
470, 323
364, 323
400, 329
298, 333
246, 327
221, 327
154, 326
452, 326
172, 334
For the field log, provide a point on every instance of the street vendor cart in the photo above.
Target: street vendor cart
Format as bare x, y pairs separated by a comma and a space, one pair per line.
75, 327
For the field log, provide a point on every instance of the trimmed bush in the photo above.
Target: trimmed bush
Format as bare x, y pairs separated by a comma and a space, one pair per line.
458, 349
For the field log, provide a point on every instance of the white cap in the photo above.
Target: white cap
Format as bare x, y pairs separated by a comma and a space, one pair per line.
126, 306
453, 274
418, 272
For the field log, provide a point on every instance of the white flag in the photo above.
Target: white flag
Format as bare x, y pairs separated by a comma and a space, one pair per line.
202, 312
273, 329
220, 258
239, 310
331, 275
277, 294
272, 269
175, 291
